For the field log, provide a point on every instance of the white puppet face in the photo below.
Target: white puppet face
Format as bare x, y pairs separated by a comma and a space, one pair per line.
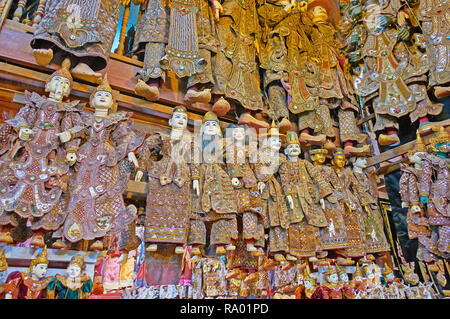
292, 150
179, 120
59, 87
102, 100
39, 270
73, 271
211, 128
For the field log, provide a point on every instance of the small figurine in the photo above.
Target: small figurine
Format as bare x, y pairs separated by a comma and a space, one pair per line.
32, 285
367, 192
74, 285
409, 191
334, 236
434, 192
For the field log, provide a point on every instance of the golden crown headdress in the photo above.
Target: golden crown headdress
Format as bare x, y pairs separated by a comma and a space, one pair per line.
292, 138
179, 108
420, 146
307, 276
78, 261
210, 116
273, 131
338, 152
63, 71
340, 271
357, 271
105, 87
387, 269
3, 263
40, 259
317, 149
331, 270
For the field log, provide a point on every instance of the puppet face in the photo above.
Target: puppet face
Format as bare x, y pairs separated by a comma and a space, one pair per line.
238, 134
59, 87
293, 150
179, 120
319, 158
102, 100
211, 128
360, 162
333, 278
274, 143
344, 277
73, 271
339, 161
39, 270
319, 13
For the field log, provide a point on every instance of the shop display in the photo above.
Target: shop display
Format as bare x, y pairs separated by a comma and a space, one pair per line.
251, 164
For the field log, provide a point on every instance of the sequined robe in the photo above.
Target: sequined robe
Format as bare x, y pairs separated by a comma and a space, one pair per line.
382, 76
353, 213
247, 196
191, 40
367, 194
33, 186
169, 196
409, 192
216, 203
96, 206
290, 77
334, 236
436, 26
83, 28
275, 210
438, 190
21, 286
235, 67
303, 182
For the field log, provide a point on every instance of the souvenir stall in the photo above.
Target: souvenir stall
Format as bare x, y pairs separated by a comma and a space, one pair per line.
224, 149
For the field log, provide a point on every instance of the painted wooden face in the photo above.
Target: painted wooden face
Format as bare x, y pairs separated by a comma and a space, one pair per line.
339, 161
179, 120
102, 100
211, 128
319, 158
40, 270
73, 271
59, 87
293, 150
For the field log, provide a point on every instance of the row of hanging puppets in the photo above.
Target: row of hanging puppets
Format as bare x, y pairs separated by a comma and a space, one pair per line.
305, 62
208, 277
64, 171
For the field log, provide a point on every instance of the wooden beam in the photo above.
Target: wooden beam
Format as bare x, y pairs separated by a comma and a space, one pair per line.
402, 149
15, 47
